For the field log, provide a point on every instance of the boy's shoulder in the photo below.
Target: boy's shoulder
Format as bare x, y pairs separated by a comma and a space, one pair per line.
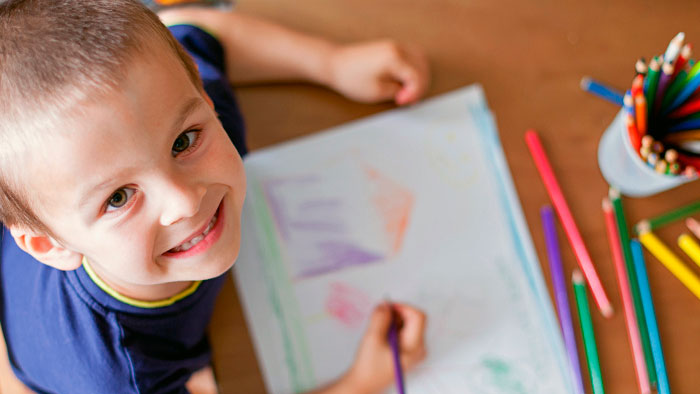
64, 334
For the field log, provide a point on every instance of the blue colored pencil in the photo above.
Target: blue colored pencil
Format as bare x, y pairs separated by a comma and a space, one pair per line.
562, 300
592, 86
647, 303
393, 338
690, 124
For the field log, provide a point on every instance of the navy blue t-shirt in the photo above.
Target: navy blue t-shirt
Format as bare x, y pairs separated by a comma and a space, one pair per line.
64, 334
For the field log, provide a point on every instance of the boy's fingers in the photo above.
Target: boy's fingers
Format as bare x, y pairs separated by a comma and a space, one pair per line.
380, 321
413, 330
412, 75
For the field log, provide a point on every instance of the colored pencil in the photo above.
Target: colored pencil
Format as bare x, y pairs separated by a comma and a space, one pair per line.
627, 304
662, 385
690, 247
640, 109
597, 88
640, 67
670, 261
682, 60
691, 85
677, 83
669, 217
637, 85
690, 124
567, 220
664, 82
651, 83
693, 226
560, 296
694, 70
621, 227
393, 338
682, 136
633, 133
628, 103
690, 107
587, 332
674, 48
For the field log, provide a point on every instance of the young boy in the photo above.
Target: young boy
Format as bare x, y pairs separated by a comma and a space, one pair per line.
121, 190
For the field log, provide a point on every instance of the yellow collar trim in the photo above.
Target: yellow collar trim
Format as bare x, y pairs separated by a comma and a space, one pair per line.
132, 301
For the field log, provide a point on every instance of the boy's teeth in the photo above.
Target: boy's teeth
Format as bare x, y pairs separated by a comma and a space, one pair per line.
187, 245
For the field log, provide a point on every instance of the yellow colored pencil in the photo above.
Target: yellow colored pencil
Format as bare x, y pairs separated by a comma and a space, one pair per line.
670, 261
690, 247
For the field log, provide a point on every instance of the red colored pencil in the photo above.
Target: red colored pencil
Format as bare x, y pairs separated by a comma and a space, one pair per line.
682, 60
567, 221
633, 133
627, 304
690, 107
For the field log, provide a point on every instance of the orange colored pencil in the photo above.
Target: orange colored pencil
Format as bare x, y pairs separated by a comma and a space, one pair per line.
640, 109
628, 306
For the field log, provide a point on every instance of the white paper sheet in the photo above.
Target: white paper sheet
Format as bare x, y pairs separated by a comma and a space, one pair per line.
416, 204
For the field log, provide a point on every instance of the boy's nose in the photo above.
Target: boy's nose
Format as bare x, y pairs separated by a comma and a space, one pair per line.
181, 201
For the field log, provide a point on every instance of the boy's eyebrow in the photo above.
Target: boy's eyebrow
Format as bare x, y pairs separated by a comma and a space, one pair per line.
186, 110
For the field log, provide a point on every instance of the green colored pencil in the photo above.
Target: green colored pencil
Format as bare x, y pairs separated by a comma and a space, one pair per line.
676, 85
669, 217
614, 195
587, 333
652, 80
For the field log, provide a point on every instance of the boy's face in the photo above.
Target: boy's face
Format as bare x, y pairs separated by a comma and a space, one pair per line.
144, 182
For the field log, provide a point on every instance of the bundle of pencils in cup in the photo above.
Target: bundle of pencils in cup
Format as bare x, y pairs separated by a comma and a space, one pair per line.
663, 111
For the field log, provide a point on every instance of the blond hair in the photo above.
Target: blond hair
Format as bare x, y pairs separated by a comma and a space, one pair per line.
52, 53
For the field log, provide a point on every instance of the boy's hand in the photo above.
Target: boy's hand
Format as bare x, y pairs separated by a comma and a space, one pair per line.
373, 369
379, 70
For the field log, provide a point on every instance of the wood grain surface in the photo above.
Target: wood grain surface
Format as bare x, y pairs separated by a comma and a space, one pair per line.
530, 57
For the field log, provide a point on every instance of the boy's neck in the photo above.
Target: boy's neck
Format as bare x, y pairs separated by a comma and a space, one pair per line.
148, 293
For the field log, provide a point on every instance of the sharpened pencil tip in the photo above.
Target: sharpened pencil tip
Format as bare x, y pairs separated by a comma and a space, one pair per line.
585, 82
608, 312
577, 276
643, 227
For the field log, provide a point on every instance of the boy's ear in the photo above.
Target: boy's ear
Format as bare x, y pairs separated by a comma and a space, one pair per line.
46, 249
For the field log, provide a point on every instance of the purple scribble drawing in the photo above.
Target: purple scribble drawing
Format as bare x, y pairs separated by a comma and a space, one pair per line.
325, 228
274, 201
316, 225
348, 305
320, 204
336, 255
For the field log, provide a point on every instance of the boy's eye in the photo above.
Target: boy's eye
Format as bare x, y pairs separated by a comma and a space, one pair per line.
119, 198
184, 141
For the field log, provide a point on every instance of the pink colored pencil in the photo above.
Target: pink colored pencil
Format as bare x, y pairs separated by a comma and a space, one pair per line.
567, 221
628, 306
693, 226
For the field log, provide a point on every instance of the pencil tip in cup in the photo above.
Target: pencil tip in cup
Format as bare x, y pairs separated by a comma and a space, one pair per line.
643, 227
613, 193
577, 276
607, 205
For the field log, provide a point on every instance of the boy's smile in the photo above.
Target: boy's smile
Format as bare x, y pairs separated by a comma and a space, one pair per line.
144, 182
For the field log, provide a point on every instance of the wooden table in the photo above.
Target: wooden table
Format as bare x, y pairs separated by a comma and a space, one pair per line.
530, 57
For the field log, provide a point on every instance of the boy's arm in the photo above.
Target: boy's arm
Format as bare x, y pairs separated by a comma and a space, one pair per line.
373, 369
8, 381
261, 51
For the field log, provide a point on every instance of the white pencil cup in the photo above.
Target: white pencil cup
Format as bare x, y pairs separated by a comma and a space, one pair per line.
624, 169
